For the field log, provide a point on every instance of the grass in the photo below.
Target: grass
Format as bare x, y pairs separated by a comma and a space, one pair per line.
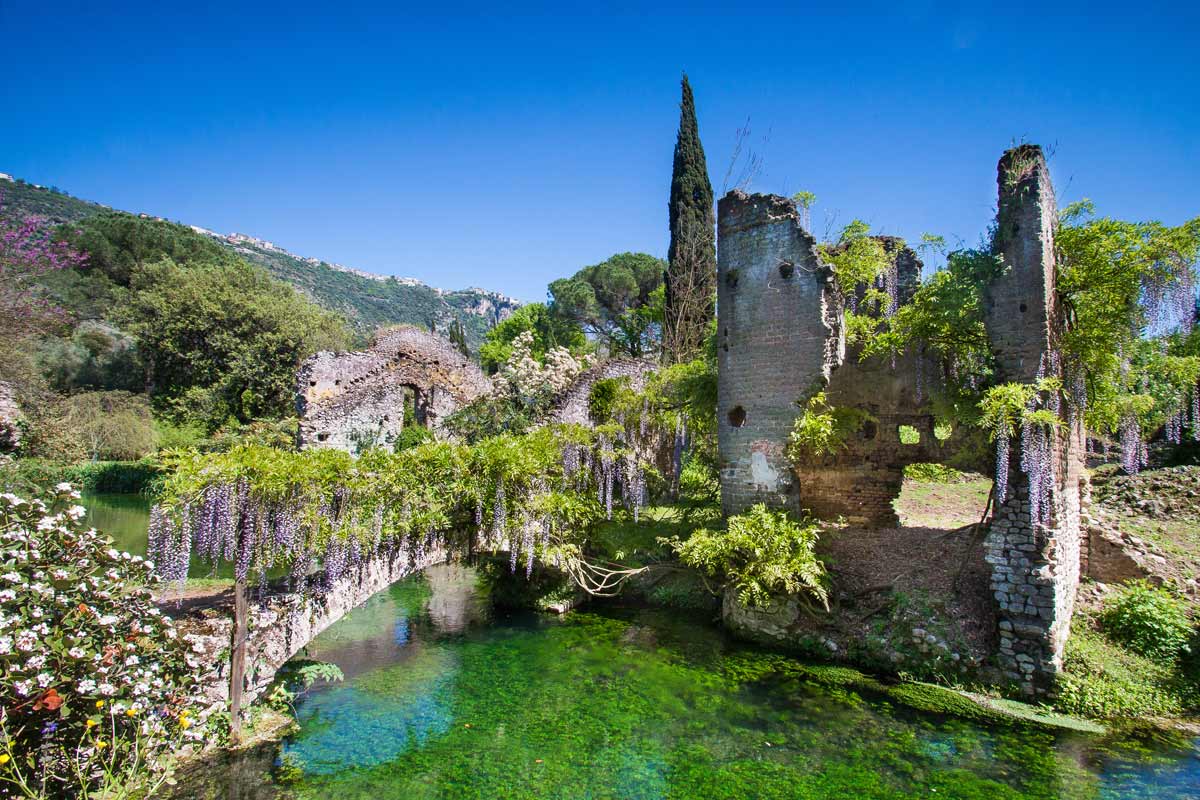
1102, 680
936, 504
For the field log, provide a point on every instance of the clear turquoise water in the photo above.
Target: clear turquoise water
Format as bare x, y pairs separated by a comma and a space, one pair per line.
442, 702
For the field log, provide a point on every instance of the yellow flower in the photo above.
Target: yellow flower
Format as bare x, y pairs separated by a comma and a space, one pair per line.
100, 743
185, 723
4, 758
91, 723
131, 712
99, 704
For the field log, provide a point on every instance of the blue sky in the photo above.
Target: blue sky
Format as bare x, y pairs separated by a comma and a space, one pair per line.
506, 147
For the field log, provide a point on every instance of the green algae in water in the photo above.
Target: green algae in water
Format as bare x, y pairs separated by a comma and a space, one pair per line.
646, 704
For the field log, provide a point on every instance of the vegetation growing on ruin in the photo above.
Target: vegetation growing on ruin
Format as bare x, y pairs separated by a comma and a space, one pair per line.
822, 429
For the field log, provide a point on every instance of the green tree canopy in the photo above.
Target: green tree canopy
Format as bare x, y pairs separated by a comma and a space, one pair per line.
549, 331
223, 340
118, 243
618, 301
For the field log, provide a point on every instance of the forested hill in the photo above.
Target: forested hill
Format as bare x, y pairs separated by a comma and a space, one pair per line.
366, 301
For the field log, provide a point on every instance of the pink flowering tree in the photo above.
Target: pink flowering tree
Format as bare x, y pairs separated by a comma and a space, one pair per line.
28, 252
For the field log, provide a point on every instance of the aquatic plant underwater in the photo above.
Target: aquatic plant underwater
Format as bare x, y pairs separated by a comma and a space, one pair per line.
625, 703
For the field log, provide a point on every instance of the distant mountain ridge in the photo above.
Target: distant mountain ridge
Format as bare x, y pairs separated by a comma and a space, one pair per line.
367, 300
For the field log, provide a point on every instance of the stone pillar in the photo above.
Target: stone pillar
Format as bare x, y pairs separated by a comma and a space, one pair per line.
778, 336
1035, 567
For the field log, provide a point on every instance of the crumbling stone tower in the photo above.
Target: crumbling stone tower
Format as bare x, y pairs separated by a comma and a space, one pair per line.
1035, 567
778, 336
780, 340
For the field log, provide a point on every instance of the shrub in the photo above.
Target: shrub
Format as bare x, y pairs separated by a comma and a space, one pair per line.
121, 477
1100, 680
412, 436
1149, 620
762, 553
95, 686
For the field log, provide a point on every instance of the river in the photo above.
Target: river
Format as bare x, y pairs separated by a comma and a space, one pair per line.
444, 700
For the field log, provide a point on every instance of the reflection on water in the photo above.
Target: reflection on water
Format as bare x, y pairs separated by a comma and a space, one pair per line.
124, 517
441, 702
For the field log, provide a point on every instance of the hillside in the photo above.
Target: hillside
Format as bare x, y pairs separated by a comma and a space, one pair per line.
367, 301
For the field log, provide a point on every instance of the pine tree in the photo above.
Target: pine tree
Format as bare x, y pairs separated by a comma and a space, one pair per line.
692, 260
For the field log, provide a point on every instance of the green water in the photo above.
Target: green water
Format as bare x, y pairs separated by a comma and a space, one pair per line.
124, 517
441, 702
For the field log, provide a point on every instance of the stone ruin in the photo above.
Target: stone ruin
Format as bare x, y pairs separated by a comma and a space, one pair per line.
10, 419
352, 401
780, 340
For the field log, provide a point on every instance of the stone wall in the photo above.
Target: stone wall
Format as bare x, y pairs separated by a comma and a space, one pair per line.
284, 623
10, 418
778, 338
1035, 567
572, 405
780, 341
352, 400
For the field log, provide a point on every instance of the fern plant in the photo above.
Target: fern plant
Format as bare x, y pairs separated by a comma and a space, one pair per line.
761, 554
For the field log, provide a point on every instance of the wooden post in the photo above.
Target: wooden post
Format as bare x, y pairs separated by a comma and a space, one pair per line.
237, 660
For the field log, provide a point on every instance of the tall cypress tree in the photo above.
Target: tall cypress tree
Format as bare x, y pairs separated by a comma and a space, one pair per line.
692, 259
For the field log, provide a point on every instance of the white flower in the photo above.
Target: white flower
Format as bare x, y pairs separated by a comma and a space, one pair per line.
61, 574
63, 487
112, 553
108, 619
86, 686
35, 662
76, 512
26, 640
107, 689
76, 652
44, 679
12, 577
7, 595
131, 661
5, 645
23, 687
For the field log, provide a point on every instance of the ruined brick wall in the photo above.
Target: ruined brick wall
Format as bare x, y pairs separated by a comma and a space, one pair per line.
862, 480
778, 336
350, 400
780, 341
1035, 568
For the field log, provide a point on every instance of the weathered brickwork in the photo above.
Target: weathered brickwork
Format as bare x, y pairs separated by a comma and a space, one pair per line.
778, 337
353, 400
780, 341
1035, 567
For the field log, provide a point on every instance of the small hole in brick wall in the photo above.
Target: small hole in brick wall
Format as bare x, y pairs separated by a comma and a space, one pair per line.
312, 383
322, 437
337, 383
787, 269
737, 417
731, 278
1023, 308
869, 430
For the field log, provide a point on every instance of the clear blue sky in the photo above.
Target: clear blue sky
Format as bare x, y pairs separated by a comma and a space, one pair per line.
505, 147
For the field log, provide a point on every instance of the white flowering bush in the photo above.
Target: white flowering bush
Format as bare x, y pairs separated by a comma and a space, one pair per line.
532, 381
95, 685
